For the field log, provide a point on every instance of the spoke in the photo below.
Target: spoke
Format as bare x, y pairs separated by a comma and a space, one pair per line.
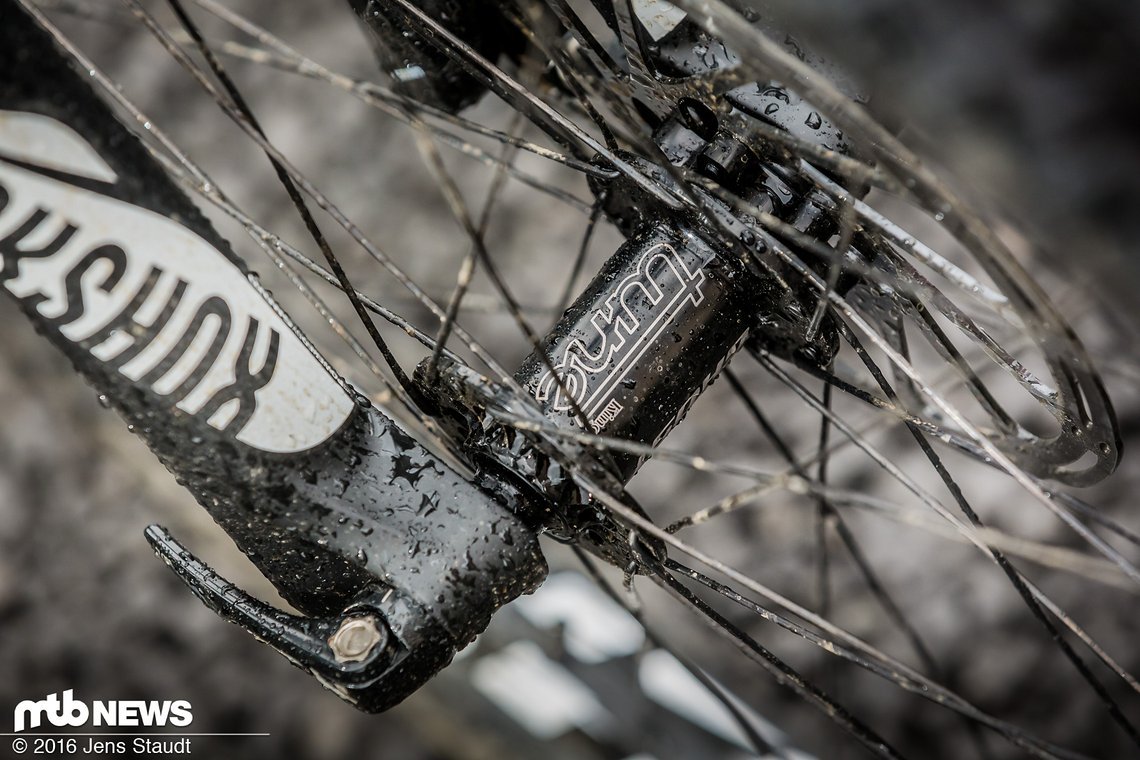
881, 459
781, 671
1084, 636
1019, 582
1046, 555
555, 123
897, 671
997, 353
984, 538
564, 300
933, 430
596, 53
856, 438
856, 172
403, 109
846, 235
1091, 512
467, 269
462, 215
238, 107
941, 342
322, 201
540, 425
196, 179
288, 58
612, 91
579, 93
760, 745
825, 515
916, 287
967, 284
907, 679
1000, 458
728, 504
1026, 311
190, 175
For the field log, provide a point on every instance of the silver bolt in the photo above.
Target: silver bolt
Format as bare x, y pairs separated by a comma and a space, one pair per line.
355, 639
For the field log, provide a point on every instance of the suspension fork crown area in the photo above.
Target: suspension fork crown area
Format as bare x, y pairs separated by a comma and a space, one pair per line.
396, 560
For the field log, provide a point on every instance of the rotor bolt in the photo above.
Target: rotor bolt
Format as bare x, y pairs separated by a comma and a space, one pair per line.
356, 637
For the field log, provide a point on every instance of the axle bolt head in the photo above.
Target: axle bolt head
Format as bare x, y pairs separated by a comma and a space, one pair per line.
356, 637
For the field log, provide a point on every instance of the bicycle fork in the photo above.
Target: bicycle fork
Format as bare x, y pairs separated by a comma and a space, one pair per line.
395, 559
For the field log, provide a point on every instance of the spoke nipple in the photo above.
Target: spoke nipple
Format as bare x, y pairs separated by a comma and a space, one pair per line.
798, 485
355, 639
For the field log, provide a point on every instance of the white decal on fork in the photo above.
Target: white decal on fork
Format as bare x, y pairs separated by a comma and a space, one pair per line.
153, 300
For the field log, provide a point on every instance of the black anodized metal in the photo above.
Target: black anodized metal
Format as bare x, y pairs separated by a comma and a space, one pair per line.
645, 338
326, 520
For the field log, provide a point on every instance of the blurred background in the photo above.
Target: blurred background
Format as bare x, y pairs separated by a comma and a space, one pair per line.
1028, 108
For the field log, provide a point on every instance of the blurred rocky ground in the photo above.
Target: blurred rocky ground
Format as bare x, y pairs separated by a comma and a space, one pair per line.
1029, 107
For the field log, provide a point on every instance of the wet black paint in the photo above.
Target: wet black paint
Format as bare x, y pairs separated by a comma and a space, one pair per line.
367, 511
